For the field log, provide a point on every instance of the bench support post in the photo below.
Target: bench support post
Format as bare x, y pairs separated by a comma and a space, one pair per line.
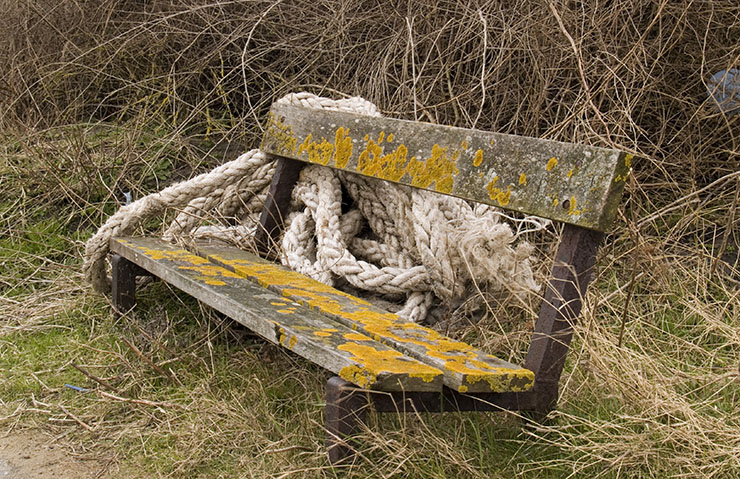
123, 286
346, 408
276, 205
561, 306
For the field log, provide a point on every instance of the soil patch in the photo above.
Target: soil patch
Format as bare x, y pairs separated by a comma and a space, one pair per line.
30, 454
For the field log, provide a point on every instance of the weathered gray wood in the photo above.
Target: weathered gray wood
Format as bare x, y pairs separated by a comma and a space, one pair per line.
465, 368
353, 356
576, 184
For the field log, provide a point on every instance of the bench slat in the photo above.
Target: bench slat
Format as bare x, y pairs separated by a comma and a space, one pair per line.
353, 356
465, 368
576, 184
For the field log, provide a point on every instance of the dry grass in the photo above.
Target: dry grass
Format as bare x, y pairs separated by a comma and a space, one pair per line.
106, 96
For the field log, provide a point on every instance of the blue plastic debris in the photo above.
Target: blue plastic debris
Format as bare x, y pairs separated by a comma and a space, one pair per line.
724, 88
76, 388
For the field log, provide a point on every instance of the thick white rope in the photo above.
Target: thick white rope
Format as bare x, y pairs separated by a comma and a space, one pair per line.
398, 242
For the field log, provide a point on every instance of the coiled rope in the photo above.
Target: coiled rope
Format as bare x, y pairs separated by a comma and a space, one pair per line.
399, 242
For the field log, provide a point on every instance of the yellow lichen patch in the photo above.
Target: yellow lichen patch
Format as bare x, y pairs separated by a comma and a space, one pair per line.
285, 340
357, 375
373, 162
277, 303
478, 158
356, 337
172, 255
462, 389
570, 173
455, 356
214, 282
552, 163
280, 134
376, 362
323, 334
572, 210
516, 381
523, 179
318, 152
211, 271
438, 169
628, 160
342, 147
497, 194
286, 311
390, 138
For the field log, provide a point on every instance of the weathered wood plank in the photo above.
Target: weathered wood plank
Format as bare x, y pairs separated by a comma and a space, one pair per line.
576, 184
353, 356
465, 368
276, 205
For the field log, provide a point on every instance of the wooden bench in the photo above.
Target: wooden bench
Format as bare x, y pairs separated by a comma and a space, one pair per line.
369, 349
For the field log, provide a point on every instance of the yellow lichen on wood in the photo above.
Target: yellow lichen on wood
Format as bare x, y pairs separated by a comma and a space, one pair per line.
478, 158
342, 147
206, 271
373, 162
572, 210
385, 327
552, 163
438, 169
356, 337
281, 134
497, 194
319, 153
523, 179
375, 362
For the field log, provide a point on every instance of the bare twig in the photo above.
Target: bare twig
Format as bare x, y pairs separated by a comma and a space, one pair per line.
93, 377
144, 358
75, 418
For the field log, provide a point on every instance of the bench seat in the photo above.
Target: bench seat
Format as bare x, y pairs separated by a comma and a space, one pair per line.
343, 351
364, 344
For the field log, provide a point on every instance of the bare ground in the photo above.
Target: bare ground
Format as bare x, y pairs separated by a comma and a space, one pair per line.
32, 454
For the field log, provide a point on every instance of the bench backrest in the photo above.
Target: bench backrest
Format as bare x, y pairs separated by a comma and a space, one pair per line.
575, 184
578, 185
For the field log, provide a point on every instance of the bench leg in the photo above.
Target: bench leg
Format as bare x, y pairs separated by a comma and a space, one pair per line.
346, 408
560, 309
123, 287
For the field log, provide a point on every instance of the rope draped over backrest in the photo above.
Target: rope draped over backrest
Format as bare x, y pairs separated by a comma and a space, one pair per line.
397, 241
